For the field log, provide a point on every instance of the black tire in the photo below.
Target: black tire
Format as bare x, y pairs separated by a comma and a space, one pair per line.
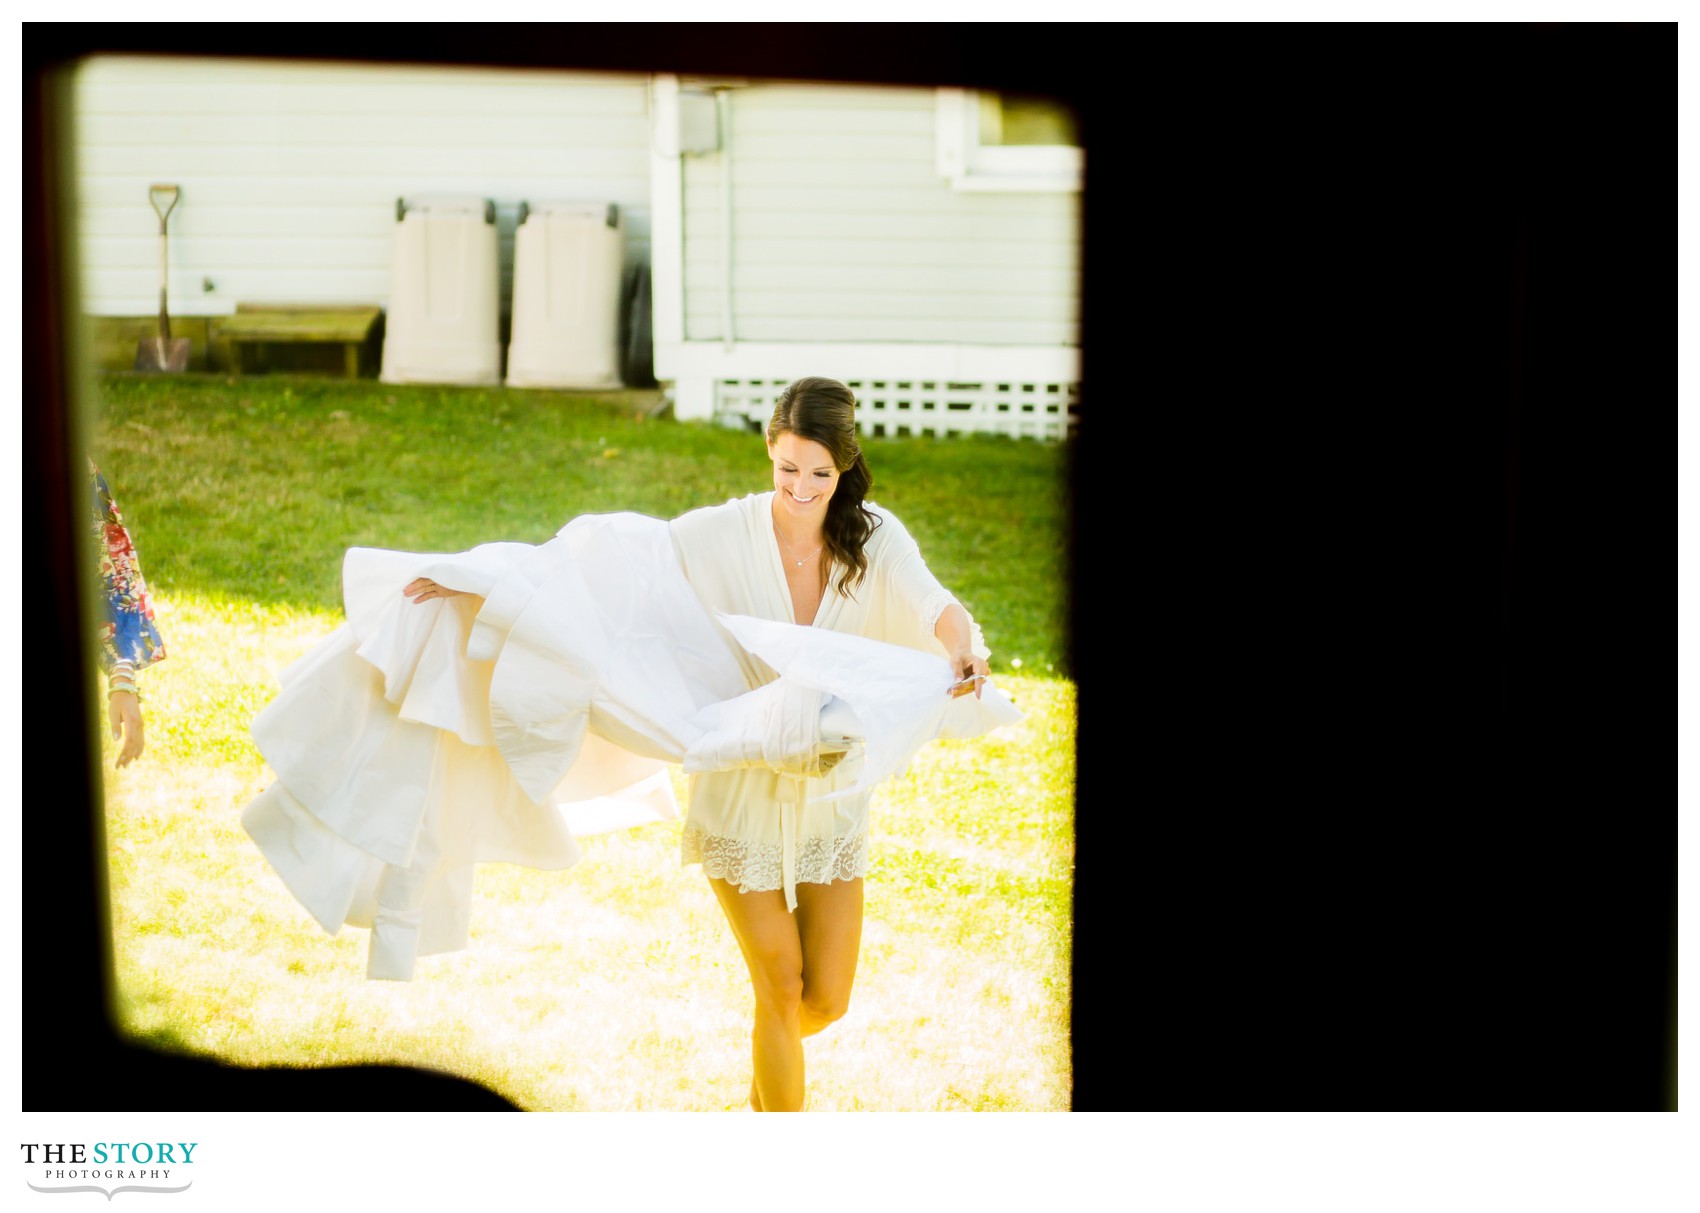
637, 344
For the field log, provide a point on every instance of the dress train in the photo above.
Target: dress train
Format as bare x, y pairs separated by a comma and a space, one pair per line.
422, 738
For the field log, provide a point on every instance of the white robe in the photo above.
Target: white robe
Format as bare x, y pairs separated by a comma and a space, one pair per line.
422, 738
762, 829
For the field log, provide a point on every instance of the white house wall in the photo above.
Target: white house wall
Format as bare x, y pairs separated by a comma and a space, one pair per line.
843, 230
290, 172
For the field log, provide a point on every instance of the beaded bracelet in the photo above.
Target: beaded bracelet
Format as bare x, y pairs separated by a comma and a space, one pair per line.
122, 677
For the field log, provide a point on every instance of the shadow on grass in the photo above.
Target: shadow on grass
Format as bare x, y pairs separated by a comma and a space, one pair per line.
157, 1070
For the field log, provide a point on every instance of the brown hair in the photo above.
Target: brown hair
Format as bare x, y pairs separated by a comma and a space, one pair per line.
824, 411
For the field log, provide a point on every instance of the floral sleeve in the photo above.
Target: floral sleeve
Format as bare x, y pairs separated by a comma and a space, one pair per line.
127, 629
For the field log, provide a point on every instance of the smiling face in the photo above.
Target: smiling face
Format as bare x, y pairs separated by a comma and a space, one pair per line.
804, 477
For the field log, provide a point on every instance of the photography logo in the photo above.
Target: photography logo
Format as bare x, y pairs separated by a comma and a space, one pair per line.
109, 1167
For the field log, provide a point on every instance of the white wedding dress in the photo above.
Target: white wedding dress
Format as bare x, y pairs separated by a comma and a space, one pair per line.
422, 738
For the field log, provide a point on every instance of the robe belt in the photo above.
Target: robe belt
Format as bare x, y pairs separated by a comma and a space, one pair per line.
792, 732
791, 793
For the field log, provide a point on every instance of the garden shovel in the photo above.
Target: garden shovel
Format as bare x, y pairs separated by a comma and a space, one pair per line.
162, 352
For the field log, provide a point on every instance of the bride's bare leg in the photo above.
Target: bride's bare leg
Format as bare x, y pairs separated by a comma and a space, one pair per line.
768, 936
829, 920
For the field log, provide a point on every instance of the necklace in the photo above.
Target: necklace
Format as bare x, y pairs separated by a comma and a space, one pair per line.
793, 554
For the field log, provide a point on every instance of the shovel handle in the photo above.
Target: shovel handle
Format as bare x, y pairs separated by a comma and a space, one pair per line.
158, 192
169, 194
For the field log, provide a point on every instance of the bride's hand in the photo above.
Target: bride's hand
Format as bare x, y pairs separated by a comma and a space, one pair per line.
968, 665
422, 589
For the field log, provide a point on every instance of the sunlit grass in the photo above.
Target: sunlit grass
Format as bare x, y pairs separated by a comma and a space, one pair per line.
616, 984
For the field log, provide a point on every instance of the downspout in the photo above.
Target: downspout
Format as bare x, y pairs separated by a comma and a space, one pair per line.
723, 106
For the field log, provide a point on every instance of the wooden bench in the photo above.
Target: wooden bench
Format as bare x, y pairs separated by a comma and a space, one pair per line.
257, 325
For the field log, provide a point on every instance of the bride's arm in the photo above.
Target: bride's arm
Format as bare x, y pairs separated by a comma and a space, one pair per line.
956, 633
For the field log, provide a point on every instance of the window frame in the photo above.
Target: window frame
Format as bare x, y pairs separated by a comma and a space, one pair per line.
973, 166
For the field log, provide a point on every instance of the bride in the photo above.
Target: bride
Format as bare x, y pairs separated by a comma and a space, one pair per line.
790, 647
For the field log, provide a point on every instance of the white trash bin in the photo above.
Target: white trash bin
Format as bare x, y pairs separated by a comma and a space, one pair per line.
443, 320
566, 318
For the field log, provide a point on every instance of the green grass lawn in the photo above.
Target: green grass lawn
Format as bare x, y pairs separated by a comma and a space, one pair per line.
616, 984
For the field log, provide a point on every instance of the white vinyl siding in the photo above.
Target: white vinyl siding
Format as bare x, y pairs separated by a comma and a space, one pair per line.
290, 172
844, 231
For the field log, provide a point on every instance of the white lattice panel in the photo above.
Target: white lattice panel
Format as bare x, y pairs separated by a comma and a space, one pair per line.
899, 408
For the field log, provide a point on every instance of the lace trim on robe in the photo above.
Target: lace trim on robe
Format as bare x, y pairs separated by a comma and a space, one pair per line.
934, 606
756, 867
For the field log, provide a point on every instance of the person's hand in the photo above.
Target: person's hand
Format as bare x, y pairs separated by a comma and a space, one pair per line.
124, 713
967, 665
423, 589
